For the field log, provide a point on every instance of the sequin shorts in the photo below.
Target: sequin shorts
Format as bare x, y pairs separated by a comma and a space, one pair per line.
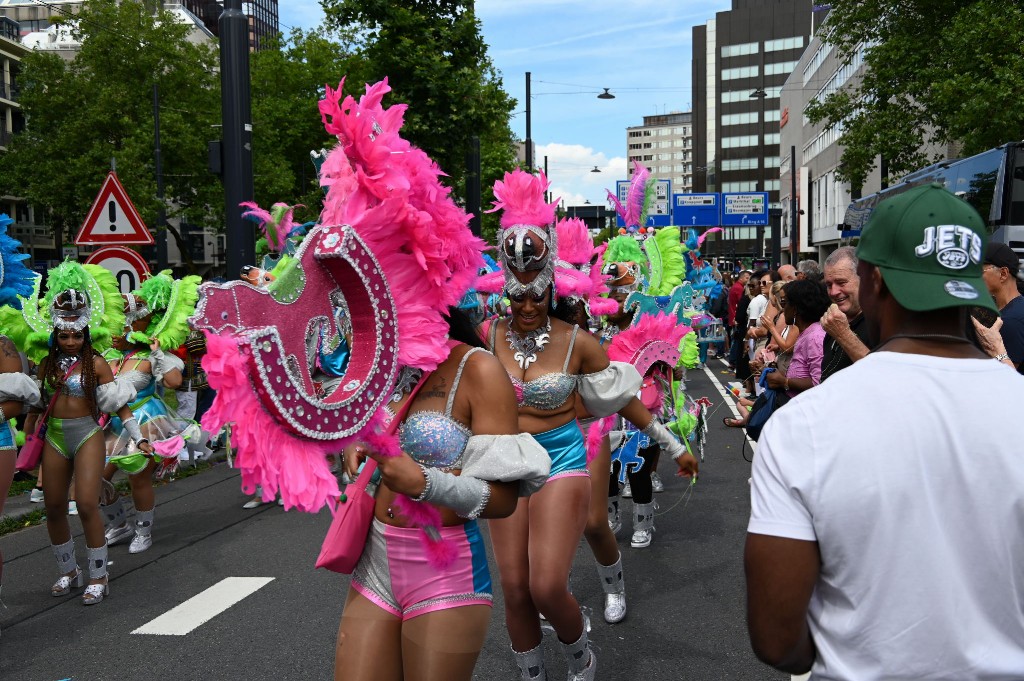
7, 437
394, 572
567, 450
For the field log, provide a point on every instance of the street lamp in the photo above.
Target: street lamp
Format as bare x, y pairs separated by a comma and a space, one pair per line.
596, 170
529, 133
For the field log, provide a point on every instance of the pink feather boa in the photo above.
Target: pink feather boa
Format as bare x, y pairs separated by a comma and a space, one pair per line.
596, 433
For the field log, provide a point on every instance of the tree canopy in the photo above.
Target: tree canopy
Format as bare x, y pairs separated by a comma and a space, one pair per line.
99, 106
435, 59
936, 71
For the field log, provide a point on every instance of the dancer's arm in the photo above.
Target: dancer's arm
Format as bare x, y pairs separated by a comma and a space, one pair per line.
111, 394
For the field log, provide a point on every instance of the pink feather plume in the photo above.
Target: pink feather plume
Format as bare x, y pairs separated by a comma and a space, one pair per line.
520, 197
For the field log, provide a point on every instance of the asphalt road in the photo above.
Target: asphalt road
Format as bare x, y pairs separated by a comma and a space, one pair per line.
685, 592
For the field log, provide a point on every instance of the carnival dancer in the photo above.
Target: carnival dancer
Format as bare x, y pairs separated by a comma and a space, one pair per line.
549, 361
576, 250
156, 317
85, 310
418, 603
18, 391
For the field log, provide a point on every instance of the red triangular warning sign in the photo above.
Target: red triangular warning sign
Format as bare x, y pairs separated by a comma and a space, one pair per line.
113, 218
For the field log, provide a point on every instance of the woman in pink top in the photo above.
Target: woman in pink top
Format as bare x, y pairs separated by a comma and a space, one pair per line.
803, 303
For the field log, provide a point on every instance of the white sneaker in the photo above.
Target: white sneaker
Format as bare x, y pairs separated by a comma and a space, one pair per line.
140, 543
72, 508
641, 539
116, 535
36, 496
627, 491
255, 502
656, 484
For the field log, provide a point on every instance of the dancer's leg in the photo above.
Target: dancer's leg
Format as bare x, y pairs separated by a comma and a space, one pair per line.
598, 533
510, 538
444, 645
57, 478
88, 473
369, 646
558, 514
7, 460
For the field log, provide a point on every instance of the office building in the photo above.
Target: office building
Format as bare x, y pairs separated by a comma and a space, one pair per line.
664, 145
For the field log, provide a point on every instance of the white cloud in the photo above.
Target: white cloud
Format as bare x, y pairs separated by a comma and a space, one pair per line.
572, 176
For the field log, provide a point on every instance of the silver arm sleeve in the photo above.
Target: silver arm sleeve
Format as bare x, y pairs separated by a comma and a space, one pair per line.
610, 389
506, 458
664, 438
131, 426
463, 494
162, 363
112, 396
18, 387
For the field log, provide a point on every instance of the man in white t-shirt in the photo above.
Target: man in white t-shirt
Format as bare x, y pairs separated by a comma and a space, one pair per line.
886, 535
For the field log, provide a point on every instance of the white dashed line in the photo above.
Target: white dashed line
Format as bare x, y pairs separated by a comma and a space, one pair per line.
203, 607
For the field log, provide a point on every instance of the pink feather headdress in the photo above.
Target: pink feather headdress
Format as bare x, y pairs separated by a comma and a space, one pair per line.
638, 199
576, 253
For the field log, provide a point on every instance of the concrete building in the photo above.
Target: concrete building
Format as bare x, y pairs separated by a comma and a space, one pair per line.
263, 18
741, 58
664, 145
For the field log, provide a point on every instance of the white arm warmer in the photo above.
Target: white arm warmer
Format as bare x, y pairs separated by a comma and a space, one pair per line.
664, 438
465, 495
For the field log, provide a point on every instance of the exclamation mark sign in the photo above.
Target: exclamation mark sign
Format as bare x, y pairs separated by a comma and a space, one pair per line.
112, 214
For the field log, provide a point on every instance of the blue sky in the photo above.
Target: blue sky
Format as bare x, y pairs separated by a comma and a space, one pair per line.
640, 49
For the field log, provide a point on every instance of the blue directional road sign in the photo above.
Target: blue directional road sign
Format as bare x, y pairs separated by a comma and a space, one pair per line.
659, 213
745, 208
695, 210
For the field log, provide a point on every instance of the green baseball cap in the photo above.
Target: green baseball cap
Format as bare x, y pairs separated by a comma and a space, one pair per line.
929, 245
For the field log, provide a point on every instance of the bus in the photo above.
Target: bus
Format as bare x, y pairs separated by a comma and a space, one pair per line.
992, 182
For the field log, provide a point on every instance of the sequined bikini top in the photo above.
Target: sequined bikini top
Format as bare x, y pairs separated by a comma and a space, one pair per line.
549, 391
433, 438
74, 386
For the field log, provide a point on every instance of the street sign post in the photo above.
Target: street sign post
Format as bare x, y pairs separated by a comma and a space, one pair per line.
113, 218
128, 267
695, 210
745, 208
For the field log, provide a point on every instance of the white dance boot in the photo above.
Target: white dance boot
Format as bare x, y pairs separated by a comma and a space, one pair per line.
614, 591
643, 525
580, 658
531, 663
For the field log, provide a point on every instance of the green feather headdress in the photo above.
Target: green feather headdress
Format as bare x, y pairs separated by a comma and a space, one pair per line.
31, 328
626, 249
172, 301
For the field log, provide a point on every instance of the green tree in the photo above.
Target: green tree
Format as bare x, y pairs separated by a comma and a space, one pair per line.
937, 71
435, 59
99, 106
287, 82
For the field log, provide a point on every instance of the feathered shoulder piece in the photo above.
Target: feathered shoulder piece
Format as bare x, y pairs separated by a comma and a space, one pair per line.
16, 280
29, 325
391, 193
665, 254
638, 200
172, 301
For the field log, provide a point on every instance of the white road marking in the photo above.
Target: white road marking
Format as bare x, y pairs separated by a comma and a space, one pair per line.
728, 399
203, 607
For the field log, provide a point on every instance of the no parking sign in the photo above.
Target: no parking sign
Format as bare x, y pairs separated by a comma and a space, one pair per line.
127, 266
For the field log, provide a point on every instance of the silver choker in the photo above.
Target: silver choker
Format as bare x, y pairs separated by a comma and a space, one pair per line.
526, 346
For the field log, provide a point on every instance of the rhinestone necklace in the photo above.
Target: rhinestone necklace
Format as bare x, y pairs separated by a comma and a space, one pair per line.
526, 346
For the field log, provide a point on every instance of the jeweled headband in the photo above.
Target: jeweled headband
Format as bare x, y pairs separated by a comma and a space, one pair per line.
74, 319
134, 311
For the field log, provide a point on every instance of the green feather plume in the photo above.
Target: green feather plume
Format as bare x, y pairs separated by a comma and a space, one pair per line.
668, 268
157, 290
172, 306
105, 302
649, 189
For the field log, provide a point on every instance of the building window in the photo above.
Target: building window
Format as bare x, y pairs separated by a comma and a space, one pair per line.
634, 146
739, 164
647, 145
740, 141
771, 186
771, 138
634, 133
739, 50
772, 116
779, 68
747, 186
742, 72
741, 118
731, 96
784, 44
771, 161
649, 157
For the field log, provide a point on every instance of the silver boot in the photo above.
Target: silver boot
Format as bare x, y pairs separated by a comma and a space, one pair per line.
143, 531
580, 658
643, 525
531, 663
614, 591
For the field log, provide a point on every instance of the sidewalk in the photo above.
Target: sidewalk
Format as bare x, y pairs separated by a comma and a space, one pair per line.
20, 506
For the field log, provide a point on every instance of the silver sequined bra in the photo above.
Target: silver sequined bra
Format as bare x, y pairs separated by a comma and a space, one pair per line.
433, 438
549, 391
546, 392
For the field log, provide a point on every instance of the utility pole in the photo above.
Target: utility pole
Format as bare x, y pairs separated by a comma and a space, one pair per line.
236, 117
529, 138
161, 211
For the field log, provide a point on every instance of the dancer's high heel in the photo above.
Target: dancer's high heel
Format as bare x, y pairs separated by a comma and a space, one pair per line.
94, 593
62, 587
